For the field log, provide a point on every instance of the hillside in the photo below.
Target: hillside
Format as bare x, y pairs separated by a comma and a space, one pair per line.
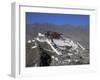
78, 33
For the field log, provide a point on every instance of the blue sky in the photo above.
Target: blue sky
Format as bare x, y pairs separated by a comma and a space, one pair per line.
59, 19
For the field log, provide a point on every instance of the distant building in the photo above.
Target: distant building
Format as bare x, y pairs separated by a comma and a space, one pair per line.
53, 35
29, 41
41, 35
